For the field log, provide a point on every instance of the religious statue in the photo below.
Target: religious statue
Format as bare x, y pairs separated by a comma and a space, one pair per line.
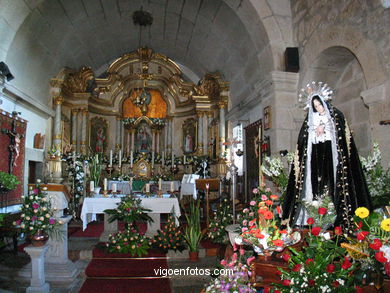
143, 139
100, 139
188, 143
15, 140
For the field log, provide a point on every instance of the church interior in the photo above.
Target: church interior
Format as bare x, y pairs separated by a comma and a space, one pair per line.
145, 143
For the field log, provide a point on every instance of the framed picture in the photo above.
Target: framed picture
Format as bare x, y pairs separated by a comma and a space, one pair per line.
267, 118
98, 135
189, 141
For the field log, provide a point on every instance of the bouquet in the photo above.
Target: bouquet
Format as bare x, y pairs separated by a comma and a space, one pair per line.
170, 237
223, 217
36, 213
129, 241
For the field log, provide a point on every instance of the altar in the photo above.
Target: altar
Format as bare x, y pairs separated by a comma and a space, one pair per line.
158, 206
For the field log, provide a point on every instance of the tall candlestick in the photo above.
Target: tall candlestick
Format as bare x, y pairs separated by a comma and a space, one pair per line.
91, 186
113, 187
131, 183
147, 188
173, 159
172, 186
110, 158
120, 158
184, 159
105, 184
163, 158
159, 184
131, 159
152, 159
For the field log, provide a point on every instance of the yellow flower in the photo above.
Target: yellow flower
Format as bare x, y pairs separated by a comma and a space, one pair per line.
362, 212
385, 225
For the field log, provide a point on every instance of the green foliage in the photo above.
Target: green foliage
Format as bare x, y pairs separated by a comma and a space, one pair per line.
8, 181
223, 217
95, 168
193, 233
129, 210
129, 241
170, 237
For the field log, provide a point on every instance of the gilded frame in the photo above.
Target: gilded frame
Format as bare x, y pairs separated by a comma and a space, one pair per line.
98, 134
189, 136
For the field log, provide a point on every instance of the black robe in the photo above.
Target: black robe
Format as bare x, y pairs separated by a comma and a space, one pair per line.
350, 190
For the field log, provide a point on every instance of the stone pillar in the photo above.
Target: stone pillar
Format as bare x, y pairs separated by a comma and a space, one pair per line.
169, 136
172, 136
200, 133
166, 136
158, 141
153, 140
74, 129
57, 124
79, 136
83, 142
118, 133
222, 121
205, 134
375, 99
37, 284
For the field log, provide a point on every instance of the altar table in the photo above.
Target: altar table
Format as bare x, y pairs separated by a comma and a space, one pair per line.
93, 206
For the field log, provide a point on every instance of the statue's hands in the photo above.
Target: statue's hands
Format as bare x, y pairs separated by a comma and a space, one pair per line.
320, 130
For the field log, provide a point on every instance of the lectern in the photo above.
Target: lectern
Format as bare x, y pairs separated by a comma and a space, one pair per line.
207, 185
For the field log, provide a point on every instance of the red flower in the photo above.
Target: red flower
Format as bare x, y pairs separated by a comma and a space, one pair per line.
316, 231
283, 231
277, 291
268, 202
322, 211
376, 245
359, 289
310, 221
312, 283
330, 268
335, 284
286, 257
266, 290
380, 256
258, 234
359, 226
273, 197
338, 230
346, 263
362, 235
296, 268
286, 282
279, 210
268, 215
387, 268
278, 242
309, 261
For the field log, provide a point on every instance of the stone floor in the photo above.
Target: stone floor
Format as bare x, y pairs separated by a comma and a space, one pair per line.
80, 253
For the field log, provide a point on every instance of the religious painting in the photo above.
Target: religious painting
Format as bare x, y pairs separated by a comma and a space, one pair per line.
252, 154
98, 135
143, 137
189, 141
142, 169
267, 118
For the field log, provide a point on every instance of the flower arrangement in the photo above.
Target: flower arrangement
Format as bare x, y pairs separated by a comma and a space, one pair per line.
273, 168
36, 213
129, 241
371, 246
129, 121
95, 168
158, 121
8, 181
259, 223
76, 175
236, 278
321, 265
170, 237
321, 210
378, 178
223, 217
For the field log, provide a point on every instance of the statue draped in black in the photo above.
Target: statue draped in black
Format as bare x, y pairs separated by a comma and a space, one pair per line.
332, 164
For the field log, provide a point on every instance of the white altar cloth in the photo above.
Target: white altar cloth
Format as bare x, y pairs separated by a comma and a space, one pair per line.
93, 206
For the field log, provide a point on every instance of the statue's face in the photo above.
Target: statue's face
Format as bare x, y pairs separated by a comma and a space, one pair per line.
318, 106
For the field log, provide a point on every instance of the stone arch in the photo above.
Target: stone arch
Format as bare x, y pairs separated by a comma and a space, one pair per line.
352, 39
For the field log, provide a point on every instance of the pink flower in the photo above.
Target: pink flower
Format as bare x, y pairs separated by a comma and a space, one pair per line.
249, 260
255, 190
52, 221
224, 262
234, 257
252, 203
35, 206
268, 189
245, 222
242, 251
18, 222
244, 229
264, 197
36, 191
246, 210
34, 218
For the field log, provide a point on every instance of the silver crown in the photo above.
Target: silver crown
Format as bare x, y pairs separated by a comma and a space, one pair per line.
314, 89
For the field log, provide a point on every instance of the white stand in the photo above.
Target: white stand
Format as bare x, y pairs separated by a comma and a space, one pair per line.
37, 255
154, 226
109, 228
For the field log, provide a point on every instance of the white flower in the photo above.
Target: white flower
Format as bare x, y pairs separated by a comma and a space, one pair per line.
44, 188
30, 228
44, 208
47, 215
38, 180
28, 218
31, 197
386, 251
41, 218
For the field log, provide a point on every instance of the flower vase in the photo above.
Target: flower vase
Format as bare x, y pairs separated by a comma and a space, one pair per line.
193, 256
39, 239
378, 281
96, 190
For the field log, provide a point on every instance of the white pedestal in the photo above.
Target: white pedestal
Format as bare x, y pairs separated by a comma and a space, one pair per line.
155, 225
37, 255
109, 228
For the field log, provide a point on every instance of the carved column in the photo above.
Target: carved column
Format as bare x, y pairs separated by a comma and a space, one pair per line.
118, 133
222, 106
79, 124
158, 140
74, 129
57, 124
83, 147
165, 136
200, 133
153, 140
169, 136
205, 134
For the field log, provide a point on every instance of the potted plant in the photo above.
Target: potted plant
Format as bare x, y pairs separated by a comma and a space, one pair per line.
8, 182
193, 233
95, 171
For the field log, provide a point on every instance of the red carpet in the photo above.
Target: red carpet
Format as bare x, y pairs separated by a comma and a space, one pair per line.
95, 229
110, 272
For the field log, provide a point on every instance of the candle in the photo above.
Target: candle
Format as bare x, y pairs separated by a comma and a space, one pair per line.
152, 159
172, 186
91, 186
120, 158
163, 158
131, 159
147, 188
173, 159
131, 183
159, 184
113, 187
105, 184
110, 165
184, 159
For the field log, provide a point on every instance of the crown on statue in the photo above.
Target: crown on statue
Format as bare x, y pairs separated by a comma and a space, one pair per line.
314, 89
